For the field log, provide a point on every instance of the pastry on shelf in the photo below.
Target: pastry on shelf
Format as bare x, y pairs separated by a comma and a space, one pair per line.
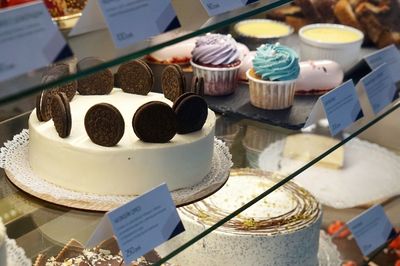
273, 76
138, 138
379, 20
281, 229
318, 77
57, 8
217, 59
307, 147
106, 253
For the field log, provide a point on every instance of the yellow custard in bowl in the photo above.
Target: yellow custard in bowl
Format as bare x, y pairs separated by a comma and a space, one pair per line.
255, 32
335, 42
332, 35
261, 28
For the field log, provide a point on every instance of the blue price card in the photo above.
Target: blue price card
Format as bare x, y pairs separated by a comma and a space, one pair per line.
380, 88
145, 222
371, 229
342, 107
389, 55
216, 7
29, 40
130, 21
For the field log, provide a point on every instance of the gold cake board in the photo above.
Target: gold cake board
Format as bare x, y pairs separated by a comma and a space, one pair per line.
103, 207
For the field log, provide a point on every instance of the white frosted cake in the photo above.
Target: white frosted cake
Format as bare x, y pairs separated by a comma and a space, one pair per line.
281, 229
129, 168
3, 248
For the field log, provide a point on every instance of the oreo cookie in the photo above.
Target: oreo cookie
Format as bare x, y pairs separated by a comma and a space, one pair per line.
61, 114
154, 122
43, 105
191, 112
39, 107
173, 82
104, 124
99, 83
134, 77
69, 88
56, 72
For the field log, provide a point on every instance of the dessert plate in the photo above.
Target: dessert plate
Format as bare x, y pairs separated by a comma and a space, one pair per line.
14, 160
369, 174
328, 255
15, 254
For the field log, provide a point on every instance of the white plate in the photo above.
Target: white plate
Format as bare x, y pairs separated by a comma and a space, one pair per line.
16, 255
370, 174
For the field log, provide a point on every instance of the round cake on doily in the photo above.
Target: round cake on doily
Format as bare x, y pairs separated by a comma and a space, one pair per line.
129, 168
281, 229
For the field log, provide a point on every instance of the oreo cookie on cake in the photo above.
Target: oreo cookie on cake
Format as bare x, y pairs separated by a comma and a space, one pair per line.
134, 77
98, 83
57, 71
173, 82
191, 112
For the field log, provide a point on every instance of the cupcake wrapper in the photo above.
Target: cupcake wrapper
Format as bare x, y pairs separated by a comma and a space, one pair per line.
221, 81
272, 95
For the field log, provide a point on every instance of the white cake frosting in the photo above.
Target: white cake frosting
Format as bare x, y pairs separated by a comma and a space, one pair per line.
281, 229
129, 168
3, 248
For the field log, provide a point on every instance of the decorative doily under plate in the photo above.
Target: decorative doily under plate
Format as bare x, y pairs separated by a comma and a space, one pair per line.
370, 174
14, 160
15, 254
328, 254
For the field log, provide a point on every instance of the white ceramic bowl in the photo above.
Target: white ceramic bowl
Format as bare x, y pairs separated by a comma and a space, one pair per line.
345, 53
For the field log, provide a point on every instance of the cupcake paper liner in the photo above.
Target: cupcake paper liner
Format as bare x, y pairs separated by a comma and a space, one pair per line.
217, 81
271, 95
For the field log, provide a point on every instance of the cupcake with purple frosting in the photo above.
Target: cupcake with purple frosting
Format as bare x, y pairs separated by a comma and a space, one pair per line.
273, 76
216, 58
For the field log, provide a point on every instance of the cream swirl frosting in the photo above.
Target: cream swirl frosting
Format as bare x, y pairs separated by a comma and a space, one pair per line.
276, 62
288, 209
215, 49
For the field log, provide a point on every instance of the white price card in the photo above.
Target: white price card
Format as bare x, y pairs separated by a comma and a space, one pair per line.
371, 229
216, 7
340, 106
141, 224
389, 55
128, 21
29, 40
380, 88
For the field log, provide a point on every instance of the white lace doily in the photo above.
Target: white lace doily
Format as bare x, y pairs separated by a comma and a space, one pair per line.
14, 159
328, 254
370, 174
16, 255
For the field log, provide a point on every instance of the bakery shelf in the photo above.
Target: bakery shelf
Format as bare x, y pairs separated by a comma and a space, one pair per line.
39, 226
194, 21
41, 221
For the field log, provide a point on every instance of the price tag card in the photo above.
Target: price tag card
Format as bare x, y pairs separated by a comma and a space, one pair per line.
141, 224
371, 229
389, 55
29, 40
342, 107
128, 21
216, 7
380, 88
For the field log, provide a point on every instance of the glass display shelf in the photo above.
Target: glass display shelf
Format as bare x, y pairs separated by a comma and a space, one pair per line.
42, 227
194, 21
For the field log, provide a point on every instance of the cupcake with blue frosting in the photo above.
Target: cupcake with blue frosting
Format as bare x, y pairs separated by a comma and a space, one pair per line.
273, 76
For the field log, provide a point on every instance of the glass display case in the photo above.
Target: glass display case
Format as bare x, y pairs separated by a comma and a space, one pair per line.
330, 180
